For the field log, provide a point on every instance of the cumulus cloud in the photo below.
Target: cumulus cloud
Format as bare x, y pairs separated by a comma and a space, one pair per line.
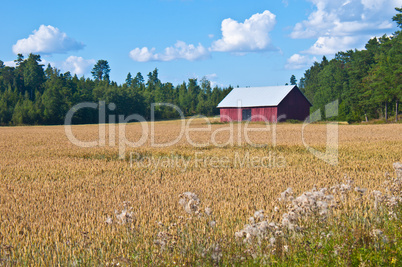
46, 40
180, 50
298, 61
346, 24
10, 63
332, 45
73, 64
143, 54
77, 65
251, 35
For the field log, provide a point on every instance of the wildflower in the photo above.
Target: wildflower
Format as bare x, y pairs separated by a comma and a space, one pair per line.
126, 216
278, 233
212, 224
360, 190
216, 254
376, 193
259, 215
263, 226
189, 201
109, 220
208, 211
239, 234
398, 170
377, 232
345, 187
286, 195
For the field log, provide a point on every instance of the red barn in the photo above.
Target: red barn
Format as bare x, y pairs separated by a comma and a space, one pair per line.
270, 103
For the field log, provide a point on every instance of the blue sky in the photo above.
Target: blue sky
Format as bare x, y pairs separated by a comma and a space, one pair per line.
245, 43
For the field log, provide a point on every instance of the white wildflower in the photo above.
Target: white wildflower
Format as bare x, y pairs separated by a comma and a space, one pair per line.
287, 195
109, 220
398, 170
126, 216
212, 224
189, 201
259, 215
360, 190
208, 211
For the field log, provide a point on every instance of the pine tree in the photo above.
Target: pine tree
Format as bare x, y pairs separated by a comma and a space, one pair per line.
101, 70
129, 80
293, 80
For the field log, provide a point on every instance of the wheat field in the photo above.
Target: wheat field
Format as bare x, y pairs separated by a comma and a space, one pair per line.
61, 204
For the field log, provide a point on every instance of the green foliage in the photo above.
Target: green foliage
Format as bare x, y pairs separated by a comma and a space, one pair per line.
367, 83
31, 95
101, 70
398, 17
293, 80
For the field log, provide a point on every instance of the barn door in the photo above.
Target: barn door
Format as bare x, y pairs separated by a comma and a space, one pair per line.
246, 114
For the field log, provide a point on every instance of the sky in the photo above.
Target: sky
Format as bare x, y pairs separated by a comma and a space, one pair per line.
230, 42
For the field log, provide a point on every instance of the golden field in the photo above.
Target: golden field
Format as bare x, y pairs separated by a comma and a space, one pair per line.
56, 198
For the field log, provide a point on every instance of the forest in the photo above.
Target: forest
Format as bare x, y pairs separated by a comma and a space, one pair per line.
30, 94
367, 83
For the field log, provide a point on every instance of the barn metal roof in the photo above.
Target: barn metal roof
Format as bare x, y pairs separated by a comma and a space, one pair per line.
255, 96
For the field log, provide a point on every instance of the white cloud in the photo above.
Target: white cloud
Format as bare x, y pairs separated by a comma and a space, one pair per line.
332, 45
73, 64
10, 63
77, 65
143, 54
375, 4
346, 24
298, 61
251, 35
183, 51
180, 50
211, 76
46, 40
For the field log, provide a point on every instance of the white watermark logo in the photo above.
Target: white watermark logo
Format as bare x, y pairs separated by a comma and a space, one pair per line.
187, 130
330, 155
200, 160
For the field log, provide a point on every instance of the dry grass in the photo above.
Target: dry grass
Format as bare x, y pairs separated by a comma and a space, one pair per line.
55, 197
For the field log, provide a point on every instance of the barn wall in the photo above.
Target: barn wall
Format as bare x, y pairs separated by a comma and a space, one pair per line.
257, 114
294, 106
264, 113
230, 114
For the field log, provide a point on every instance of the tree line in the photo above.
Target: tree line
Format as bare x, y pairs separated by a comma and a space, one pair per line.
32, 94
367, 83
